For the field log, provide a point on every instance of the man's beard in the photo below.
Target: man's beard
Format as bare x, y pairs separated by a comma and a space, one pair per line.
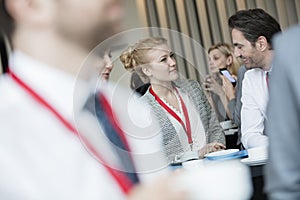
98, 36
89, 39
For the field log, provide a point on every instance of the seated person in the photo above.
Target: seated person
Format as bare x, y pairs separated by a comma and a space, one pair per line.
186, 118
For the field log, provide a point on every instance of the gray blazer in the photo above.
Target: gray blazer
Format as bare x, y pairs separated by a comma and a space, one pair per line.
213, 130
282, 172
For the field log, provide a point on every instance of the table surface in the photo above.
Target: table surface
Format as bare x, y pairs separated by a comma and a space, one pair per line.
257, 174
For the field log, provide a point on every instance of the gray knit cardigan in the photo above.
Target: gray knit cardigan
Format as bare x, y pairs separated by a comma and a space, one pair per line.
213, 130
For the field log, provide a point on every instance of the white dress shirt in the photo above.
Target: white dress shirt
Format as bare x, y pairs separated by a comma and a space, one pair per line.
39, 157
255, 96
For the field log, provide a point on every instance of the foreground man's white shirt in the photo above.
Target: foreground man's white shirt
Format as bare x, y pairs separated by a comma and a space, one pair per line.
39, 157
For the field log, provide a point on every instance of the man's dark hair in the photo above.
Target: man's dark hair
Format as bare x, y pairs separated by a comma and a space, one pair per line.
6, 21
254, 23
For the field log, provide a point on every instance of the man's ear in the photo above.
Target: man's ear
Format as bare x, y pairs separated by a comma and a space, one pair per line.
262, 43
147, 71
30, 12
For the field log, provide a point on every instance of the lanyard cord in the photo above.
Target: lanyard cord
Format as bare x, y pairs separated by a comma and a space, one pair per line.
187, 127
116, 135
124, 183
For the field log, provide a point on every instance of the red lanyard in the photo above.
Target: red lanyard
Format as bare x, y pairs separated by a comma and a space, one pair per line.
186, 127
124, 183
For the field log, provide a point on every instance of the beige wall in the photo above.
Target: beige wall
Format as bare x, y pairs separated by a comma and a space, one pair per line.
204, 20
132, 20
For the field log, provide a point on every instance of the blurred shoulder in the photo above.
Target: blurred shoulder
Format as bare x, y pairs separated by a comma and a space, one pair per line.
12, 96
121, 97
288, 37
287, 43
127, 104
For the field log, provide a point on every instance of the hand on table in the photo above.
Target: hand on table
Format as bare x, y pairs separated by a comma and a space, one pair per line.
211, 147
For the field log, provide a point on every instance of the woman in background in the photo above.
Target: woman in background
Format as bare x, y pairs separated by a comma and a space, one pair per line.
188, 123
221, 57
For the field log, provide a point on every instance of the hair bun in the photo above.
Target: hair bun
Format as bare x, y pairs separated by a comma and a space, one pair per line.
127, 59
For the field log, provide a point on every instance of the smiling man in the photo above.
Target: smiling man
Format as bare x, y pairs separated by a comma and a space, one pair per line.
252, 31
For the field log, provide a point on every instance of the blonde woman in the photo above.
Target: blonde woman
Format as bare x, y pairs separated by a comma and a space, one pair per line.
221, 57
188, 123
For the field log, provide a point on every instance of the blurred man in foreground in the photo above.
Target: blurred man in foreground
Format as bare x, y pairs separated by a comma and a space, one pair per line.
41, 154
283, 128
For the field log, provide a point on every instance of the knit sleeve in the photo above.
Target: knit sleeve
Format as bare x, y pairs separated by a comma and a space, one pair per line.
214, 132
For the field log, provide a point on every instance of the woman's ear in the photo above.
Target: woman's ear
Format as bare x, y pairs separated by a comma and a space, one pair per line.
147, 71
229, 61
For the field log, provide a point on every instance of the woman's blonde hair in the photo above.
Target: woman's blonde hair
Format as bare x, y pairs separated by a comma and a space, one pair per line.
227, 50
135, 56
